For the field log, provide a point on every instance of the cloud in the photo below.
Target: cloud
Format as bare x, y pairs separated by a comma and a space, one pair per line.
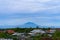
45, 12
26, 6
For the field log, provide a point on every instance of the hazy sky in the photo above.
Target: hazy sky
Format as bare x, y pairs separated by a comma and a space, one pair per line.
41, 12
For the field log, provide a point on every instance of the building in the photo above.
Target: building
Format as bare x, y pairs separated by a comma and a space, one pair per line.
10, 31
51, 31
36, 31
5, 39
17, 34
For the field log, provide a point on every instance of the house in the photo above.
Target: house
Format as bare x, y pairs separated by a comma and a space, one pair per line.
20, 36
36, 31
51, 31
10, 31
17, 34
32, 34
5, 39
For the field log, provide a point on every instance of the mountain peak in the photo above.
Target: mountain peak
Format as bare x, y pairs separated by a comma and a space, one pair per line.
29, 24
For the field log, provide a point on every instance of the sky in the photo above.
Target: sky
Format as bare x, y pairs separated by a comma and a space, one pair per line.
41, 12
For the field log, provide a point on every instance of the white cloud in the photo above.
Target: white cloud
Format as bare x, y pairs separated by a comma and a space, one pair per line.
16, 6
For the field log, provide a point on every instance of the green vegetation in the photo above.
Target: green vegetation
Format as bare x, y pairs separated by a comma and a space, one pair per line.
56, 35
21, 30
4, 35
36, 37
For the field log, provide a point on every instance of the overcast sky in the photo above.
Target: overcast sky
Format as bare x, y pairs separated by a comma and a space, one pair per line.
41, 12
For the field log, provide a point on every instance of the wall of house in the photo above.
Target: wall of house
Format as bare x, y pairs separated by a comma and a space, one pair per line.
5, 39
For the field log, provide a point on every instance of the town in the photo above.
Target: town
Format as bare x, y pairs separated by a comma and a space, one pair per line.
30, 34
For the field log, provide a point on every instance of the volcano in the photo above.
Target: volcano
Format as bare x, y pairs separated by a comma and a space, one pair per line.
29, 24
